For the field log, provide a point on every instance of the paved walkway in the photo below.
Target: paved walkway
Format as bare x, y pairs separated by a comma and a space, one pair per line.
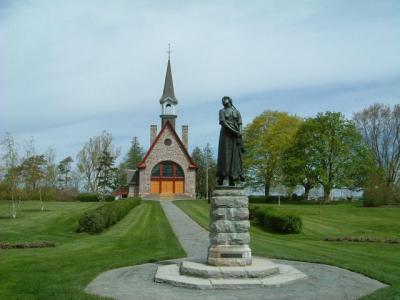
193, 237
137, 282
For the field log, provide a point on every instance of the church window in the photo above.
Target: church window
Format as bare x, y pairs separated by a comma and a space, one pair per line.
167, 142
167, 169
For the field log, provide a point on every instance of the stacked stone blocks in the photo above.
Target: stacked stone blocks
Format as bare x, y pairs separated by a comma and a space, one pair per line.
229, 228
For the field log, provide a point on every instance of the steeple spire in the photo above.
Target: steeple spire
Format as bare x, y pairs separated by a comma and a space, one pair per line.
168, 84
168, 100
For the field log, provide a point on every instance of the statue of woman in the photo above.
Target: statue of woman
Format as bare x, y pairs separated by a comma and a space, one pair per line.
230, 146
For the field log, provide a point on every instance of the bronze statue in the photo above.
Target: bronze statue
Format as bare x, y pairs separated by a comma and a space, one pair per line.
230, 146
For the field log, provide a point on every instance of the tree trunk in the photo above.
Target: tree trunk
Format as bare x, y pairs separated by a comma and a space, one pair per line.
306, 192
14, 211
266, 189
327, 192
41, 200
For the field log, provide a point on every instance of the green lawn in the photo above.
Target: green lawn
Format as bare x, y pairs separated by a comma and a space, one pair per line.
376, 260
63, 272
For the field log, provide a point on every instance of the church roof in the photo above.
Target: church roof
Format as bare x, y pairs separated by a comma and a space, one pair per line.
192, 165
168, 92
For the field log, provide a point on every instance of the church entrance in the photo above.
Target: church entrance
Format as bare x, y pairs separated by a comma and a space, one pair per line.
167, 178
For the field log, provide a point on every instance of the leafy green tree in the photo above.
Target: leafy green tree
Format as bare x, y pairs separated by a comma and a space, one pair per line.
206, 171
266, 138
33, 170
298, 166
330, 151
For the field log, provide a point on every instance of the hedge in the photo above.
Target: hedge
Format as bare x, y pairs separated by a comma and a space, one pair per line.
88, 197
276, 221
95, 221
275, 199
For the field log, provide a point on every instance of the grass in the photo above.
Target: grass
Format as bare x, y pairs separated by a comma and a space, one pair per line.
63, 272
376, 260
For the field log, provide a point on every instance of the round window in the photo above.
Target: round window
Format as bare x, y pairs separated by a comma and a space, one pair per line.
167, 142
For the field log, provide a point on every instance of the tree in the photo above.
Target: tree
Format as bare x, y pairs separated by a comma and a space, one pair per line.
298, 165
88, 159
266, 138
206, 171
135, 154
64, 170
331, 151
107, 172
33, 170
51, 170
12, 169
379, 125
132, 159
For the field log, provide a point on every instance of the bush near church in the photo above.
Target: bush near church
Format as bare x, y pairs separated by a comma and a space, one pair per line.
97, 220
276, 221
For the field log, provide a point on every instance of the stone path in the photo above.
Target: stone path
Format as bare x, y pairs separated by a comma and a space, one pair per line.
137, 282
193, 237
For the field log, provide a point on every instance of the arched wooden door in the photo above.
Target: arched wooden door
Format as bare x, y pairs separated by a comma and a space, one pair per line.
167, 178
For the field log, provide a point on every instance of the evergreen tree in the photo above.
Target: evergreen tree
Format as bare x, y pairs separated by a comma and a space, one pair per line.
132, 159
135, 154
107, 172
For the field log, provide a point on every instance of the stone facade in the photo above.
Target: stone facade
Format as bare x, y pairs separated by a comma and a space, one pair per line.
162, 152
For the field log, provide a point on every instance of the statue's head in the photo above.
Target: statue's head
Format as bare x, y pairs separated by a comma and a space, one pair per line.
226, 101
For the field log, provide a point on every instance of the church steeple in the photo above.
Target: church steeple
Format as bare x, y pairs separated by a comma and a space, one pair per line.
168, 100
168, 92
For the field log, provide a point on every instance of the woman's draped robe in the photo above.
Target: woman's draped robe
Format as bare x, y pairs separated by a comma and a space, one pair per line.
230, 145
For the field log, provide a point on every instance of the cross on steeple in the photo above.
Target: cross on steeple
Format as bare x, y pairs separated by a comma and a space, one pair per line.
169, 50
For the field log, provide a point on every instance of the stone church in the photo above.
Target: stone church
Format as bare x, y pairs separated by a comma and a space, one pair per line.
167, 169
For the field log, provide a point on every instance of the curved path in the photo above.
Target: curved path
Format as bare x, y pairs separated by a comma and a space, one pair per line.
137, 282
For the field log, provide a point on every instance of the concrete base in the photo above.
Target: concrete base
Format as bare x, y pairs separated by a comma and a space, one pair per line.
259, 269
261, 273
229, 255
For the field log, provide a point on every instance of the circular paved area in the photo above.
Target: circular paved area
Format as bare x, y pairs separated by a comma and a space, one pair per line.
137, 282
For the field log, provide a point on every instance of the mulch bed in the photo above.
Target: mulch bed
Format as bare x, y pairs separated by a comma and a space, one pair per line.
24, 245
362, 239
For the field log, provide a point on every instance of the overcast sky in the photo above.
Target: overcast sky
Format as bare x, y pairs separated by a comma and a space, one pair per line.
70, 69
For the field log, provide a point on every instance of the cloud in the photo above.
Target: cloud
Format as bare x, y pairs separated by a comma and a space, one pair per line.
70, 69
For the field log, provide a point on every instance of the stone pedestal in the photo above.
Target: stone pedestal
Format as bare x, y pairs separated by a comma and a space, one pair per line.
229, 228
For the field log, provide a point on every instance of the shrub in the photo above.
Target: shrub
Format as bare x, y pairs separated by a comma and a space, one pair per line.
109, 198
97, 220
276, 221
88, 197
68, 194
275, 199
257, 199
379, 194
